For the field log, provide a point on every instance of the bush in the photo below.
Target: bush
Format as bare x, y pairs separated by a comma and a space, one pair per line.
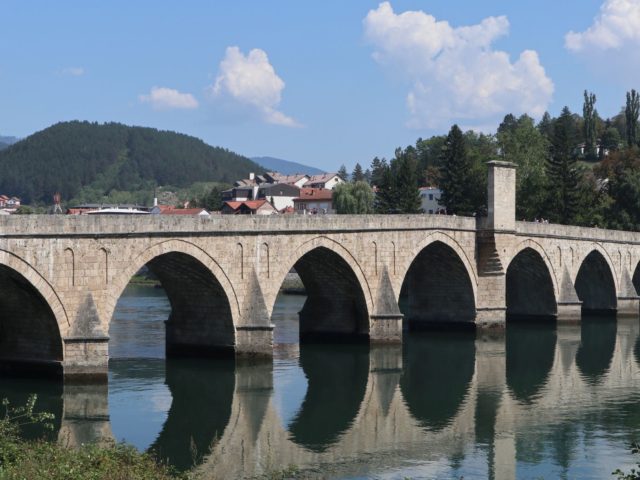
41, 459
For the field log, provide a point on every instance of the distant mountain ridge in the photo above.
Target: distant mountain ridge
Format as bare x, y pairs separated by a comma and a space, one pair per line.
92, 160
285, 167
8, 140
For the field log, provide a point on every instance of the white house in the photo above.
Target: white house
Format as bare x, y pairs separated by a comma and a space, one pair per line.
429, 197
326, 180
280, 195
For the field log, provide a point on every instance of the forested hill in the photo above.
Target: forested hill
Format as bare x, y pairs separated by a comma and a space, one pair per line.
100, 158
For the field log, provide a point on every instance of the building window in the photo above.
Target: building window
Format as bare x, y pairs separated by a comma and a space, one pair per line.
431, 196
430, 211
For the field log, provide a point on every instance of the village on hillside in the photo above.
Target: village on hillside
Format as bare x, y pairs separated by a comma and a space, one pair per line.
265, 194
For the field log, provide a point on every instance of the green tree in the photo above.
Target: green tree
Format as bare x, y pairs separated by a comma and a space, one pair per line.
527, 147
562, 172
358, 174
455, 181
378, 168
386, 198
429, 152
610, 141
353, 198
24, 210
342, 173
212, 201
405, 168
589, 116
631, 112
545, 126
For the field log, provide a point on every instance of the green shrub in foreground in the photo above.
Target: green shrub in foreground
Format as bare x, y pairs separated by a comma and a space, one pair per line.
34, 460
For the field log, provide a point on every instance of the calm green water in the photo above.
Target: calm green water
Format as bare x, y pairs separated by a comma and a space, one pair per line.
538, 402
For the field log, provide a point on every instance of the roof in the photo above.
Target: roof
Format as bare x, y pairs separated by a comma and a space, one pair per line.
183, 211
117, 211
279, 189
252, 204
313, 194
321, 178
280, 178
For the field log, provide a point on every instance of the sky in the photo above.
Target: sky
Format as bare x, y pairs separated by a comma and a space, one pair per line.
321, 83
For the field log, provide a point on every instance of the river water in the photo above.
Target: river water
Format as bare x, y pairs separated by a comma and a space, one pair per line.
541, 401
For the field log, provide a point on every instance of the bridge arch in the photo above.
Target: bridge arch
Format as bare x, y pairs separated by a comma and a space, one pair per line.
33, 320
596, 282
338, 300
531, 283
437, 273
204, 306
636, 275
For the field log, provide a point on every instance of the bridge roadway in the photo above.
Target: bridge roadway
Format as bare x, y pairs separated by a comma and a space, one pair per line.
390, 411
61, 277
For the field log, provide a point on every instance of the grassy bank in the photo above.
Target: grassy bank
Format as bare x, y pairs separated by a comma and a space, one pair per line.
22, 459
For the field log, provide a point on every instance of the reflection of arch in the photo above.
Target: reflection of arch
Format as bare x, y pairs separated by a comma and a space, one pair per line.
530, 351
32, 318
338, 298
595, 283
337, 377
202, 393
439, 288
436, 377
204, 307
530, 287
597, 344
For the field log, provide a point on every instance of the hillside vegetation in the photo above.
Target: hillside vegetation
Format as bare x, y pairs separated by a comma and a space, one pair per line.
95, 162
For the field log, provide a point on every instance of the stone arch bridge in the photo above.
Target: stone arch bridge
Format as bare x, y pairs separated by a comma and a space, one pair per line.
61, 277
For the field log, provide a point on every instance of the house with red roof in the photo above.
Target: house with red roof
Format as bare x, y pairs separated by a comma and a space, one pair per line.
314, 201
248, 207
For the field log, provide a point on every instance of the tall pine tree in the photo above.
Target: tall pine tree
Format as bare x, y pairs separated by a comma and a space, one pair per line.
562, 173
385, 200
455, 179
358, 174
342, 173
405, 167
631, 112
589, 127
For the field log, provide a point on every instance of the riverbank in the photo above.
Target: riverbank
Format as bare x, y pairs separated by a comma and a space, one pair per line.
293, 285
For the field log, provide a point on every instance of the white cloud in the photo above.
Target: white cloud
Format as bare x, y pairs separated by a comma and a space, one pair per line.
251, 82
163, 98
615, 27
73, 71
455, 74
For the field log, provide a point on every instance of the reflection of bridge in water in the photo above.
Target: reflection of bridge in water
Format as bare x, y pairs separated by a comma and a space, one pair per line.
380, 406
